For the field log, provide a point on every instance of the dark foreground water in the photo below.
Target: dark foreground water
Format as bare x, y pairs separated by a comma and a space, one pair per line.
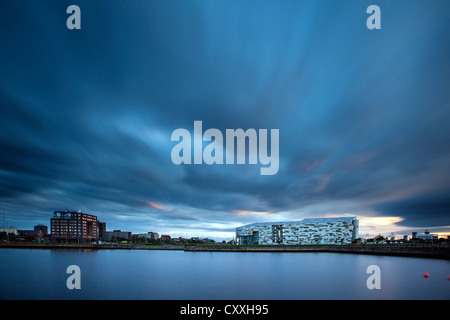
145, 274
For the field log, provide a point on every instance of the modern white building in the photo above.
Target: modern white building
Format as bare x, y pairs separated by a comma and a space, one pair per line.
427, 236
342, 230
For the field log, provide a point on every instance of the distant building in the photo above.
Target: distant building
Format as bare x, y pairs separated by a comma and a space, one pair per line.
427, 236
30, 235
307, 231
116, 235
165, 237
178, 239
72, 226
154, 235
101, 226
9, 230
42, 228
149, 235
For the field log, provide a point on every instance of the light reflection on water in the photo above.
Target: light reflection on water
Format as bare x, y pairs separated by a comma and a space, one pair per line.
159, 274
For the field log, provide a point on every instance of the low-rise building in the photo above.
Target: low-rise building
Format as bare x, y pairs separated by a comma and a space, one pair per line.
149, 235
117, 235
9, 230
42, 228
165, 237
426, 236
29, 235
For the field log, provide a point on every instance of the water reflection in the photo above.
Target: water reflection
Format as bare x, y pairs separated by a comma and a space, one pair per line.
159, 274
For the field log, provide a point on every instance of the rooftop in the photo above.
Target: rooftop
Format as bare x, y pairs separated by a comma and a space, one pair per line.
304, 221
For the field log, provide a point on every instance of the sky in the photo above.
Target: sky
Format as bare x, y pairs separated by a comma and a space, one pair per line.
86, 116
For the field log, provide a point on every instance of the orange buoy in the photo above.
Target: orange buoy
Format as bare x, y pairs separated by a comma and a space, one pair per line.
426, 275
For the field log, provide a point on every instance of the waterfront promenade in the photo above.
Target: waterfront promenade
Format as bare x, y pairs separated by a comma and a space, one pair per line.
410, 250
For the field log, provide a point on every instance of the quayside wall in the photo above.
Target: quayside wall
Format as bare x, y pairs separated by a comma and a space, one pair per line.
84, 246
423, 251
440, 252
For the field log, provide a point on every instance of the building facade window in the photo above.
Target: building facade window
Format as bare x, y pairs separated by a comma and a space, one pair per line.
73, 227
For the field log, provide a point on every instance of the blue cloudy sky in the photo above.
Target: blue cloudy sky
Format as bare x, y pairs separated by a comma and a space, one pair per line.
86, 116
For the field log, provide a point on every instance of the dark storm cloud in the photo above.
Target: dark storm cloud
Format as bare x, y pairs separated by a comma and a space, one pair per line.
86, 115
425, 210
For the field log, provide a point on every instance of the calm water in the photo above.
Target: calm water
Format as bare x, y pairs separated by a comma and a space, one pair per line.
136, 274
